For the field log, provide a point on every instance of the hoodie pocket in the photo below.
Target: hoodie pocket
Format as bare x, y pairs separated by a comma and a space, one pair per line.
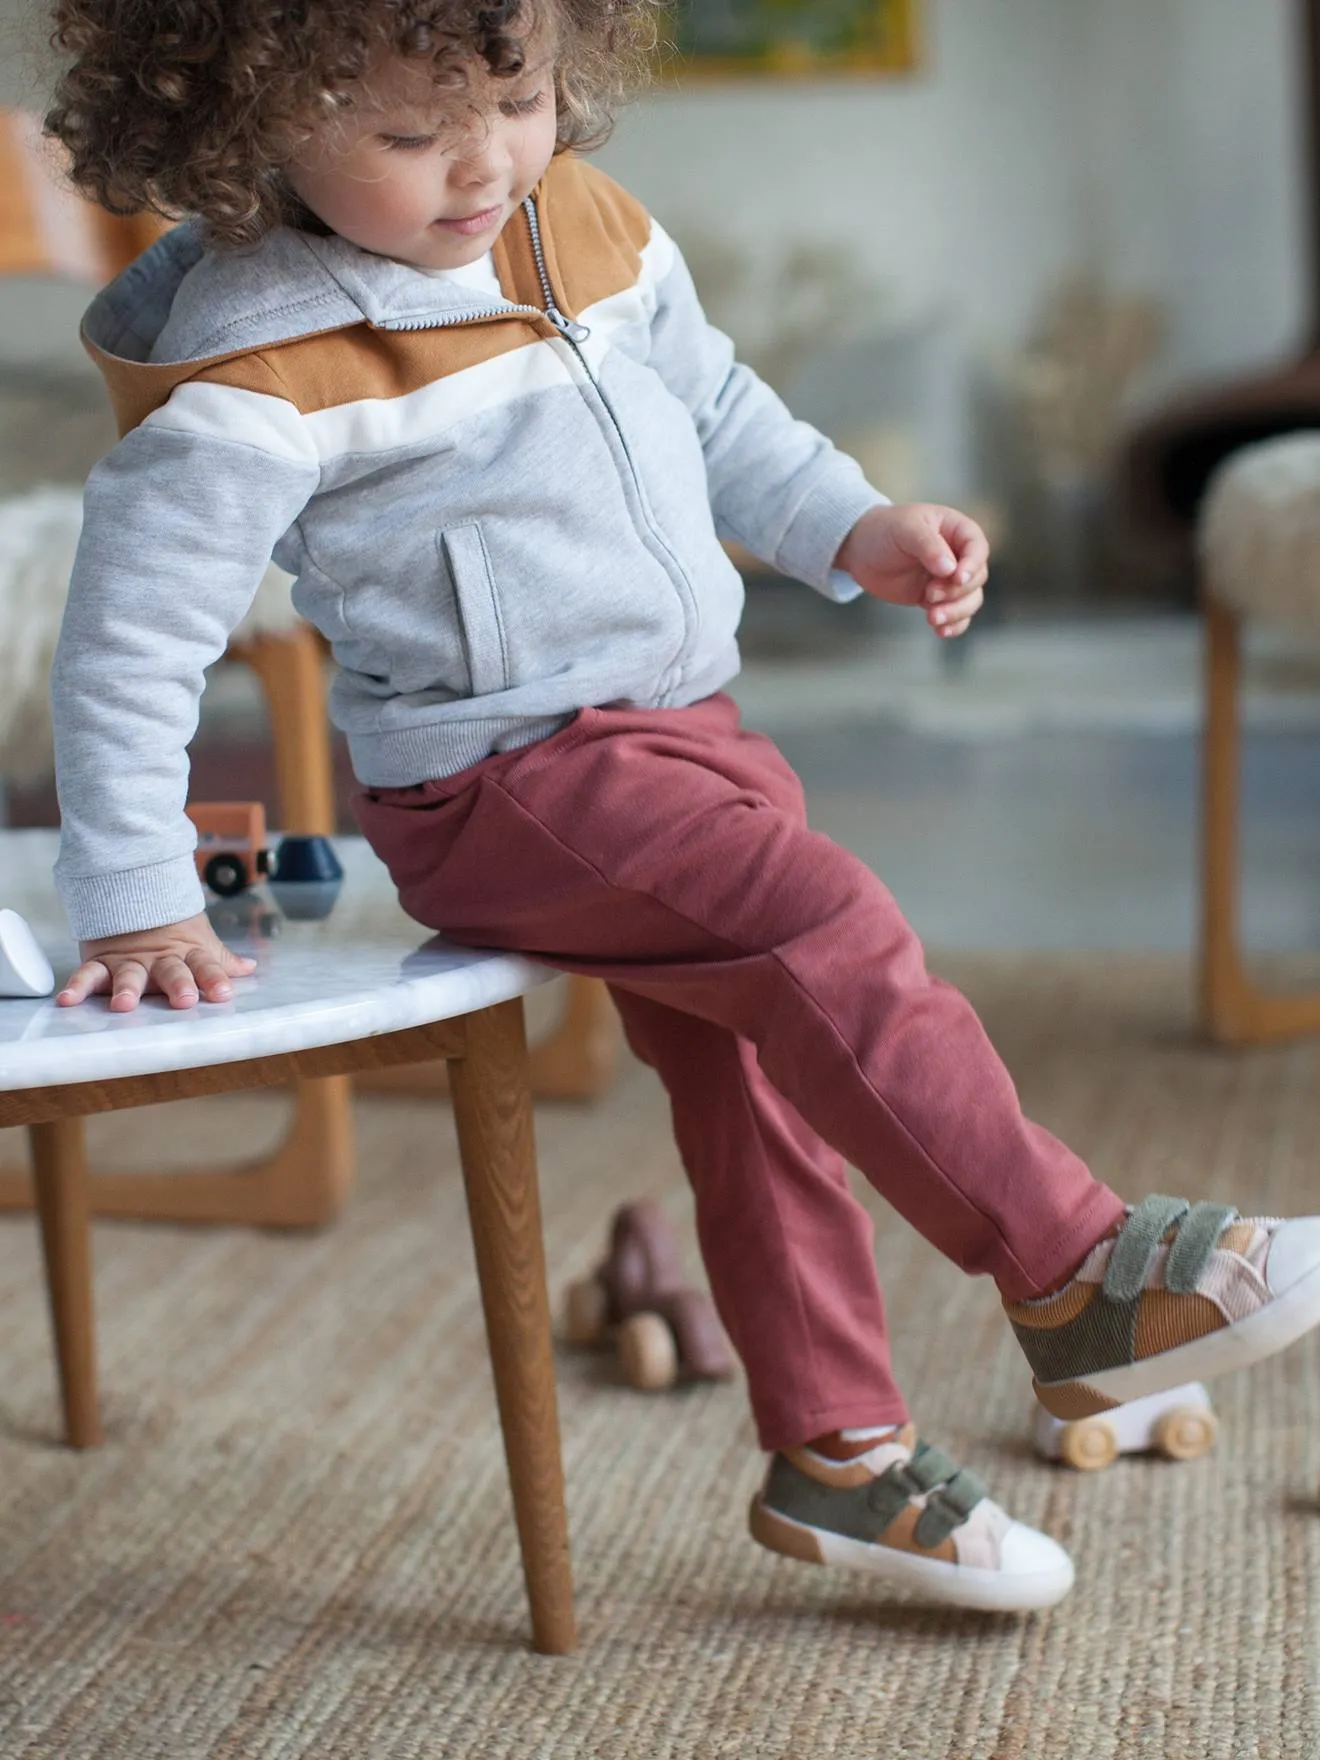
467, 560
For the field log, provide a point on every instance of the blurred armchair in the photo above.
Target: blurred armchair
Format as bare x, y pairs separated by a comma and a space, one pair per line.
1172, 457
1258, 543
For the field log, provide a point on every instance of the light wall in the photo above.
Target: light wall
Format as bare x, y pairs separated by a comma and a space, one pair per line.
950, 186
1155, 136
1190, 174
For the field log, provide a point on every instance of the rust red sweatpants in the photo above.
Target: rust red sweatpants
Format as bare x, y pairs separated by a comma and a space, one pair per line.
771, 981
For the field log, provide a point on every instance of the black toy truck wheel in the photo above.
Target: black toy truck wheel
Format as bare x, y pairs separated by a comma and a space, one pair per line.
226, 875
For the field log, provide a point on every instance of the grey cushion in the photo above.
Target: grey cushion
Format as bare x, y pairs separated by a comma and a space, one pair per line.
55, 422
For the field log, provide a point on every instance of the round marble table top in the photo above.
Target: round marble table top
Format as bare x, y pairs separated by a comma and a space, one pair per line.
365, 968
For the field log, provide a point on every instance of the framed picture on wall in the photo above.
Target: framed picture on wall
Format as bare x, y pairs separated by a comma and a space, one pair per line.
794, 37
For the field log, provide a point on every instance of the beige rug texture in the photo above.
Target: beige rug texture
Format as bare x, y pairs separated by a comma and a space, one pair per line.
296, 1541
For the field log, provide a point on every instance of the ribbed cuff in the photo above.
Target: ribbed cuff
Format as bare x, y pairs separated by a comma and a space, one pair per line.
819, 527
131, 899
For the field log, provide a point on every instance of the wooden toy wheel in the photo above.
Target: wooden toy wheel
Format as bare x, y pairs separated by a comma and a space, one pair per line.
648, 1353
1187, 1433
585, 1311
225, 875
1088, 1445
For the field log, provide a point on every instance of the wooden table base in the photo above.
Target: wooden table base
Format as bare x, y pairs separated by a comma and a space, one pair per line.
487, 1053
304, 1184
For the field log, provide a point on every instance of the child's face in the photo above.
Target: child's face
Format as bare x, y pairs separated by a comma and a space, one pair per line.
430, 176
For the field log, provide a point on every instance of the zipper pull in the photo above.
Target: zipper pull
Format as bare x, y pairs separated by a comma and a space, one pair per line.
567, 327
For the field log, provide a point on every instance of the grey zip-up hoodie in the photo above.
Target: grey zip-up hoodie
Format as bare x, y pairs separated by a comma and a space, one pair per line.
497, 511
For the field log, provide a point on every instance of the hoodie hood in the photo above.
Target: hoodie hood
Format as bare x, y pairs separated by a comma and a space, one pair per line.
183, 306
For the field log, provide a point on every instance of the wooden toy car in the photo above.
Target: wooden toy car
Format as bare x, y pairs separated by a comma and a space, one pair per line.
231, 844
636, 1297
1179, 1424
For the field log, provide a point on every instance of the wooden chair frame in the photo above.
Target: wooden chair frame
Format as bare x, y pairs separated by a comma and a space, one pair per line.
1235, 1009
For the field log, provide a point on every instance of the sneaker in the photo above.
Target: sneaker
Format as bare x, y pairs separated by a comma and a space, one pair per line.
1182, 1292
906, 1512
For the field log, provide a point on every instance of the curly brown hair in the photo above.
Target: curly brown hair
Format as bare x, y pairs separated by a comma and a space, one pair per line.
194, 107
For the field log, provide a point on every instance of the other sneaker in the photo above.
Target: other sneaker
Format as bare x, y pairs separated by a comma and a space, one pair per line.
1182, 1292
905, 1512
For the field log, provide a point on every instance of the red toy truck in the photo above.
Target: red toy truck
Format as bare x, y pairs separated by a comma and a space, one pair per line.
231, 844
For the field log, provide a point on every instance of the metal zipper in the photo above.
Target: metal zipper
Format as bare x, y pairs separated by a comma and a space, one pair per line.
567, 327
575, 332
468, 317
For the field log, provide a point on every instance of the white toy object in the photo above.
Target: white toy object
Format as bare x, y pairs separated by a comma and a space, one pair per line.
1179, 1424
24, 969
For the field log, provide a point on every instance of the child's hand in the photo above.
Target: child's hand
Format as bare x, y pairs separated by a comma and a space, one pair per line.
921, 555
182, 960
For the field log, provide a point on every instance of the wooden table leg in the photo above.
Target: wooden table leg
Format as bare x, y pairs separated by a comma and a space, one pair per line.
59, 1169
492, 1110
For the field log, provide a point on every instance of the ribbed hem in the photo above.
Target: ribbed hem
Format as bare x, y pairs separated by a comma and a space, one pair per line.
818, 529
723, 670
131, 898
407, 755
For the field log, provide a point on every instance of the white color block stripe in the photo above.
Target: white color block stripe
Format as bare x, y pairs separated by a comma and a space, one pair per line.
382, 424
379, 424
224, 412
370, 424
658, 255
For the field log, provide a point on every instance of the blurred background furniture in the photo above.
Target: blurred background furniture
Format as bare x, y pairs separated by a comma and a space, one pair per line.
52, 429
1170, 459
1259, 547
351, 991
1222, 491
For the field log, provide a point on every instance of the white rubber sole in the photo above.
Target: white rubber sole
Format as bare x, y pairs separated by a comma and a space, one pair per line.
955, 1585
1270, 1329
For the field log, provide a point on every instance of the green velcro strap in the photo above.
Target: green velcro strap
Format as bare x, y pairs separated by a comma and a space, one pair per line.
948, 1508
1197, 1237
886, 1499
1135, 1249
927, 1468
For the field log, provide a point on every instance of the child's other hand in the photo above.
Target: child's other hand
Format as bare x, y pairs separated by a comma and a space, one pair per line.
183, 961
921, 555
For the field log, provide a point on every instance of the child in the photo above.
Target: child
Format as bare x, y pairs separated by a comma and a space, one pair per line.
460, 384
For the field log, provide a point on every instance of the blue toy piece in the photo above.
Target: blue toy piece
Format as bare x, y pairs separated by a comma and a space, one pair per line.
306, 861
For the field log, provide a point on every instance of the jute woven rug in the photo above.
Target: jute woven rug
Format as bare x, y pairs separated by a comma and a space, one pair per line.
296, 1541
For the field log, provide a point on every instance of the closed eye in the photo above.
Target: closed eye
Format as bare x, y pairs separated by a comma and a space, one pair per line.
524, 106
417, 143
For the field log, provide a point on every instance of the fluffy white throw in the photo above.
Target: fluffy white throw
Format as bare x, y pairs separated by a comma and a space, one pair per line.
38, 536
1259, 532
